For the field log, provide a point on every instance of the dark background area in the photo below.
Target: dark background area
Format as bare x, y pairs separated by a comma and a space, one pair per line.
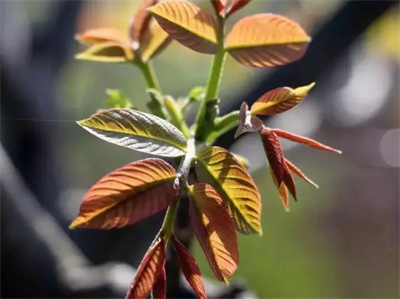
340, 241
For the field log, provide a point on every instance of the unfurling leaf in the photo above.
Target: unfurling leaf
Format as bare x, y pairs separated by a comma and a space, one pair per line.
283, 192
273, 149
280, 100
214, 230
138, 131
299, 173
160, 286
247, 122
266, 40
106, 52
305, 140
227, 7
149, 271
153, 41
219, 168
128, 195
189, 268
188, 24
141, 20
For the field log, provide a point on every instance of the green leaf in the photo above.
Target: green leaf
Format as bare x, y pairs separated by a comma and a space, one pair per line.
115, 99
138, 131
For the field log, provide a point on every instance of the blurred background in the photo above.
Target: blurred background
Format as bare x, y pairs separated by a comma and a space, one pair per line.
338, 241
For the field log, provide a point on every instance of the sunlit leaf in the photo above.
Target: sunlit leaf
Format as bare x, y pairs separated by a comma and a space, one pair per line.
305, 140
141, 20
214, 230
280, 100
188, 24
101, 35
247, 122
106, 52
242, 160
273, 149
298, 172
189, 268
266, 40
128, 195
153, 41
160, 286
149, 271
219, 168
137, 130
283, 192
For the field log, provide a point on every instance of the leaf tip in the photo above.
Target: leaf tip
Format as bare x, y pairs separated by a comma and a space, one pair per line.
304, 90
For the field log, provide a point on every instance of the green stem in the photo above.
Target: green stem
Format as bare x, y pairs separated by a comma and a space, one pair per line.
167, 228
175, 113
151, 80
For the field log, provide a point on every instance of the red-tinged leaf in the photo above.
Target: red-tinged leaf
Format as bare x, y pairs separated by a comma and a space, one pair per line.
149, 271
219, 6
214, 230
153, 41
141, 20
160, 286
266, 40
299, 173
280, 100
283, 192
305, 140
101, 35
189, 268
107, 52
235, 6
188, 24
247, 122
288, 180
273, 149
127, 195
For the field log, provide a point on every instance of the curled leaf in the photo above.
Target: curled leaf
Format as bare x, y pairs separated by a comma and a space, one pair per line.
101, 35
214, 230
107, 52
141, 20
266, 40
280, 100
153, 41
189, 268
127, 195
188, 24
149, 271
247, 122
283, 192
137, 130
160, 286
298, 172
219, 168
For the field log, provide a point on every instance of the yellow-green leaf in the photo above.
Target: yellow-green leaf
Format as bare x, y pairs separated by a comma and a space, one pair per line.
188, 24
137, 130
127, 195
106, 52
266, 40
280, 100
219, 168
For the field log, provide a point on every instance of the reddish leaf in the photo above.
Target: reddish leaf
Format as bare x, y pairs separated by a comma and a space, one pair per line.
189, 268
107, 52
188, 24
266, 40
101, 35
304, 140
280, 100
283, 192
247, 122
160, 286
214, 230
298, 172
141, 20
128, 195
149, 271
288, 180
273, 149
153, 41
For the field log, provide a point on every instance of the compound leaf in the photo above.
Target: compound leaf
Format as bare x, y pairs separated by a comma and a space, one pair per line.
219, 168
188, 24
137, 130
280, 100
266, 40
149, 271
214, 230
128, 195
